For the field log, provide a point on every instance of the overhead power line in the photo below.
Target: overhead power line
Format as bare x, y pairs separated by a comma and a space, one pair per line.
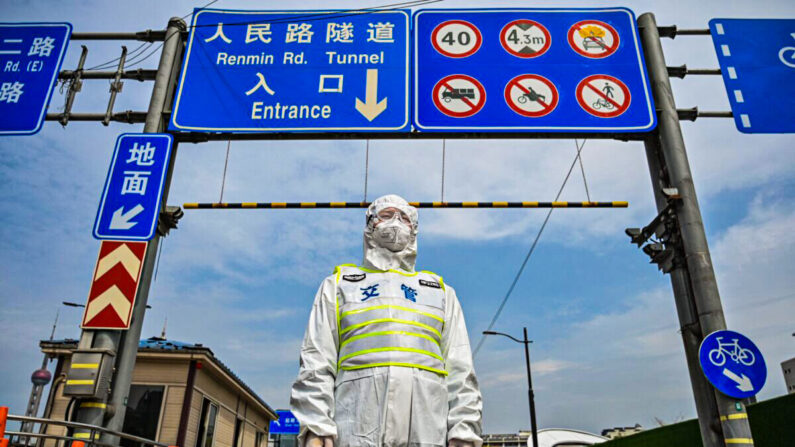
529, 252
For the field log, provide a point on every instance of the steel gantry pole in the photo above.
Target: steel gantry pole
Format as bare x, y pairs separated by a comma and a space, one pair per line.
109, 412
156, 121
723, 420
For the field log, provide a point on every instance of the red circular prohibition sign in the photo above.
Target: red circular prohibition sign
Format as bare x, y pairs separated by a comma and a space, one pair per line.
532, 23
475, 31
452, 93
607, 50
613, 107
528, 95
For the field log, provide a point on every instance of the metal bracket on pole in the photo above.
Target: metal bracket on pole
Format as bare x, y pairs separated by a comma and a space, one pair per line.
75, 85
682, 71
693, 113
672, 31
169, 219
115, 86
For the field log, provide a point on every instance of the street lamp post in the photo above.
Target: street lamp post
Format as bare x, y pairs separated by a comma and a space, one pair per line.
530, 394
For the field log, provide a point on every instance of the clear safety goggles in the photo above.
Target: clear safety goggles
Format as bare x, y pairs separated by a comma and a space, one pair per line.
391, 213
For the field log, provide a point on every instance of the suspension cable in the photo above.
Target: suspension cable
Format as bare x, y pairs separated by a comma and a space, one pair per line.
529, 253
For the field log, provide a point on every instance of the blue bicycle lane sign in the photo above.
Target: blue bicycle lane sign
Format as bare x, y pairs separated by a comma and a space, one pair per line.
733, 364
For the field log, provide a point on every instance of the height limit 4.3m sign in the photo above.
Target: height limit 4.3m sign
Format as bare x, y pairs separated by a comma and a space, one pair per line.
279, 71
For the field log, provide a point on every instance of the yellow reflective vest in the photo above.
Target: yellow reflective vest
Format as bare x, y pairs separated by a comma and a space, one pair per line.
389, 318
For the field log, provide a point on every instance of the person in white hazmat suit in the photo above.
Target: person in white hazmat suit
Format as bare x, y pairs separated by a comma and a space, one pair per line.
386, 359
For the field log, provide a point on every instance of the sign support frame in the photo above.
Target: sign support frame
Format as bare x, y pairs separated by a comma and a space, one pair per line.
693, 280
125, 344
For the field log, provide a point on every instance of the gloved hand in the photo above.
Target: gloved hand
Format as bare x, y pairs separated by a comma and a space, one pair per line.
313, 440
459, 443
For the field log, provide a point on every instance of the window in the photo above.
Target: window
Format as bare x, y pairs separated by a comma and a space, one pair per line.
238, 439
258, 440
143, 413
206, 433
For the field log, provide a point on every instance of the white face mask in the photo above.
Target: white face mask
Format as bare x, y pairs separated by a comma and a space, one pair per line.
392, 235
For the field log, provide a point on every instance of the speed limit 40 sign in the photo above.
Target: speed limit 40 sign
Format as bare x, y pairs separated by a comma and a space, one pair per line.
456, 38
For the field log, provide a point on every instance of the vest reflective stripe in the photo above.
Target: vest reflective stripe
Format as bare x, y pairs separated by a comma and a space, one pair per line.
391, 313
390, 320
366, 342
376, 334
407, 365
390, 349
391, 306
395, 356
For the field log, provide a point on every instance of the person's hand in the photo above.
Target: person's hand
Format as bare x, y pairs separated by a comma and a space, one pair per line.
313, 440
459, 443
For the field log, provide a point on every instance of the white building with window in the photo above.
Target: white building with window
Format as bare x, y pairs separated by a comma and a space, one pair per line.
788, 368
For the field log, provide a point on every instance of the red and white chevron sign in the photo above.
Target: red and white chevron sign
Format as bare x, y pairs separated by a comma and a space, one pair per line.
115, 283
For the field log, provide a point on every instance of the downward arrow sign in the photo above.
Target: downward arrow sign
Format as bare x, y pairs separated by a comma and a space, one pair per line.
743, 383
121, 221
371, 108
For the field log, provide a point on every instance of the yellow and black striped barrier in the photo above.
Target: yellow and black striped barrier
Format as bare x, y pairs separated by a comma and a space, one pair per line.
324, 205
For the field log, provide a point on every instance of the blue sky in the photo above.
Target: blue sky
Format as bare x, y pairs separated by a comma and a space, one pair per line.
606, 351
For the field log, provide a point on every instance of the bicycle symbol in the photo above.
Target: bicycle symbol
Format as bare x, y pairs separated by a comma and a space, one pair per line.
784, 52
602, 103
733, 350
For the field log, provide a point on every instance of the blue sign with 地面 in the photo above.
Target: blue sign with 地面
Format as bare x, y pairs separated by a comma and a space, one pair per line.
757, 61
286, 425
732, 363
530, 70
30, 58
130, 203
294, 71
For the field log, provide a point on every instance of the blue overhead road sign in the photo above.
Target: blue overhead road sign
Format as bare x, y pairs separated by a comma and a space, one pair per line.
530, 70
30, 57
286, 425
292, 71
757, 61
733, 364
130, 203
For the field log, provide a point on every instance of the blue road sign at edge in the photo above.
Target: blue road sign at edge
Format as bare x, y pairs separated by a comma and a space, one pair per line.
534, 70
757, 61
294, 71
130, 202
30, 59
286, 425
732, 363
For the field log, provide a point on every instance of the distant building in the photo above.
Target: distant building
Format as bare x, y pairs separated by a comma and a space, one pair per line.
620, 432
788, 368
181, 395
547, 437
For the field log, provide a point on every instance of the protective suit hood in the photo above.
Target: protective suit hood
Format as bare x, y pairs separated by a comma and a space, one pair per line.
378, 257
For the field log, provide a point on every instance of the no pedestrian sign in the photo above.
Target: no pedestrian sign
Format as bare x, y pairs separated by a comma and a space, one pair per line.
294, 71
530, 70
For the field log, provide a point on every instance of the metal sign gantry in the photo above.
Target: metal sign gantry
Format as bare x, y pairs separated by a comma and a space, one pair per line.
679, 226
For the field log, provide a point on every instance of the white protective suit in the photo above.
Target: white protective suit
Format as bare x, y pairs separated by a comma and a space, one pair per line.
364, 398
